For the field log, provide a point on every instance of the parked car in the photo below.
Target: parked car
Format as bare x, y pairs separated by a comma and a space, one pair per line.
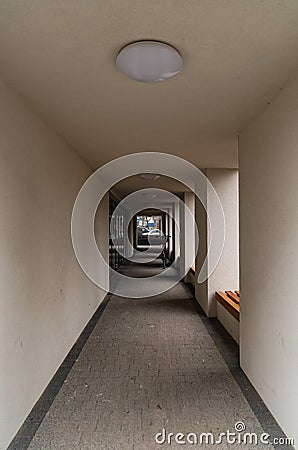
155, 236
155, 232
142, 230
142, 235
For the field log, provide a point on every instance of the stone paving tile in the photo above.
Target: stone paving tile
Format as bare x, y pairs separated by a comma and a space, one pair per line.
148, 364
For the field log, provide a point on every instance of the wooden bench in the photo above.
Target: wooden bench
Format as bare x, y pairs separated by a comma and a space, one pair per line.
230, 300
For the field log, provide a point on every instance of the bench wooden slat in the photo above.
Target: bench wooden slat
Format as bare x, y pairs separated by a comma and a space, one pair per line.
233, 296
238, 293
228, 304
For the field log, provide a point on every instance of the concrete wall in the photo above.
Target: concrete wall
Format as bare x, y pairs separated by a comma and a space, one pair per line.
228, 321
269, 256
226, 274
190, 244
46, 300
190, 278
201, 290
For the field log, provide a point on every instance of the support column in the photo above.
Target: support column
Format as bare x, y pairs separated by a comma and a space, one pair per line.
269, 254
226, 274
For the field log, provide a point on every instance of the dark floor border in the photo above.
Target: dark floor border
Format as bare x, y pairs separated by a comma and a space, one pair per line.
229, 350
22, 439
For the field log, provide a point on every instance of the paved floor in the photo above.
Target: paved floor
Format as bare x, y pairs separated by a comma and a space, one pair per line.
149, 364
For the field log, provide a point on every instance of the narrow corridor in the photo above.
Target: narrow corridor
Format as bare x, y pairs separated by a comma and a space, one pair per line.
149, 364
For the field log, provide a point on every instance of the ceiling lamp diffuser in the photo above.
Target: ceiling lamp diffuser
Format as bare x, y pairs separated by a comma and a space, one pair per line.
149, 195
149, 176
149, 61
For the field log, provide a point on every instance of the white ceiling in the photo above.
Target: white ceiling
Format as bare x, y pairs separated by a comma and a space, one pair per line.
60, 55
134, 183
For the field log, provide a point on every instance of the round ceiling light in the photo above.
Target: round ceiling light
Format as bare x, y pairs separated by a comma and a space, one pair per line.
149, 195
149, 61
149, 176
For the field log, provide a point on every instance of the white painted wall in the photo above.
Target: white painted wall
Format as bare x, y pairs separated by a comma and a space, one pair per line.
201, 290
269, 256
45, 299
228, 321
226, 274
190, 244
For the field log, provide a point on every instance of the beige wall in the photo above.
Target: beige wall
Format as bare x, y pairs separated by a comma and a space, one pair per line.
201, 290
228, 321
190, 236
269, 256
226, 274
45, 298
